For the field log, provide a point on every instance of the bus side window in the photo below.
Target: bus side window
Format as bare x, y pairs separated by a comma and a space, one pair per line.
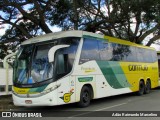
89, 50
154, 56
148, 55
132, 56
63, 66
140, 54
105, 50
65, 58
118, 52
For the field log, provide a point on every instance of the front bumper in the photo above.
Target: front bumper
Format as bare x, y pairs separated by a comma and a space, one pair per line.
49, 99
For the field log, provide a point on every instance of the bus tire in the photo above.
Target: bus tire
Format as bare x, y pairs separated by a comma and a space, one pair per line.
85, 97
141, 88
147, 87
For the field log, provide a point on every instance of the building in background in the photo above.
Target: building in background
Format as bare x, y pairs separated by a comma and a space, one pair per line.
3, 79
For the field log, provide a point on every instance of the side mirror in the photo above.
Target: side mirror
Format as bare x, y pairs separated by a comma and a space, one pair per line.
52, 51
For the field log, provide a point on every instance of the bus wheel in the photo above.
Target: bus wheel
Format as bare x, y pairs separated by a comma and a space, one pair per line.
85, 97
147, 87
141, 88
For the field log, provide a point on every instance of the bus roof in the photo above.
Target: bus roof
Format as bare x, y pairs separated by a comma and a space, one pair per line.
78, 33
52, 36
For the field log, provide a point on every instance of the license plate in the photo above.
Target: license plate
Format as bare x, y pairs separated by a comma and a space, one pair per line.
28, 101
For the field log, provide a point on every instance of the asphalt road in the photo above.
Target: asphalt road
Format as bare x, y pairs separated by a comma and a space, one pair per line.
105, 107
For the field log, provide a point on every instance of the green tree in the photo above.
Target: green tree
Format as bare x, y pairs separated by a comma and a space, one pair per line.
3, 51
29, 18
132, 20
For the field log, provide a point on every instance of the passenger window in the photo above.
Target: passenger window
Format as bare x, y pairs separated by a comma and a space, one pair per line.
147, 55
140, 55
65, 58
105, 50
120, 52
89, 50
154, 55
132, 56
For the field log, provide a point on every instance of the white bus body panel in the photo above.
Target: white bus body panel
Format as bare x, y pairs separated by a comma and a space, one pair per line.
100, 86
49, 99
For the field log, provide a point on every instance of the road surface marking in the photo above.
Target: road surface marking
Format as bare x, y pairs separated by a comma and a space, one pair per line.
97, 110
111, 107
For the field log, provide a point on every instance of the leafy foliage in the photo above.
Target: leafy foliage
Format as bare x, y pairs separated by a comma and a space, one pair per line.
131, 20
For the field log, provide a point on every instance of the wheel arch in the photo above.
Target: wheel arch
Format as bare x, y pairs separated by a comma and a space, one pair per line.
148, 79
91, 88
142, 80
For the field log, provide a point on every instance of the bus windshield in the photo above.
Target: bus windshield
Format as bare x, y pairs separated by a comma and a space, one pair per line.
32, 65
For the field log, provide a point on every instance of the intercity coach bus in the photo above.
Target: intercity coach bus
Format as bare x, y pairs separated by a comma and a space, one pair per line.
77, 66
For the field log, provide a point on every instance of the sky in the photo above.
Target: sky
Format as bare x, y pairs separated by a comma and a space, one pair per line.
57, 29
54, 29
2, 31
157, 47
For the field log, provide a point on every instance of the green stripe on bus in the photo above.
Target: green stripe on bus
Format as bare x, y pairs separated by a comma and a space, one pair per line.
38, 89
113, 74
95, 38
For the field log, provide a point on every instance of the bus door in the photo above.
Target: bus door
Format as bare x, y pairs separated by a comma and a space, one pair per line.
65, 80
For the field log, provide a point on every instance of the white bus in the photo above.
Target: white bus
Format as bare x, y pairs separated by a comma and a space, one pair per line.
3, 79
77, 66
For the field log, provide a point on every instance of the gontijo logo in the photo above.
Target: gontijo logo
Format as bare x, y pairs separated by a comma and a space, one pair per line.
138, 68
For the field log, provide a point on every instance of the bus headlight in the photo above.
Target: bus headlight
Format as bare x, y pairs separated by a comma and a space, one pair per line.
50, 89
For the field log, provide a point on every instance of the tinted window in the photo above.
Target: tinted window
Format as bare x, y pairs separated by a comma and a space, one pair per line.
94, 49
146, 55
141, 55
132, 56
65, 58
89, 50
105, 50
154, 55
120, 52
